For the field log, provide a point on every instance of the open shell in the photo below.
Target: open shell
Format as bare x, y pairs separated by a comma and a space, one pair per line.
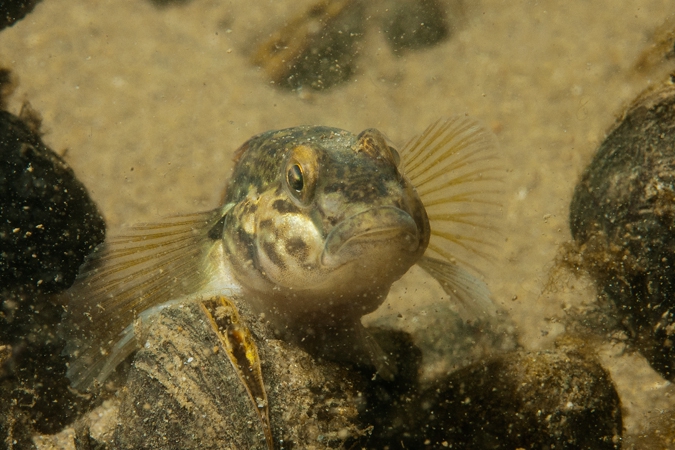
183, 389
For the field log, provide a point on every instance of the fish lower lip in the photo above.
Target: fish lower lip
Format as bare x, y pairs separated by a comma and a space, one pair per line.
371, 228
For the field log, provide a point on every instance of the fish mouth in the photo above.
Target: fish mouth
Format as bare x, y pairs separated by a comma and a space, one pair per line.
380, 231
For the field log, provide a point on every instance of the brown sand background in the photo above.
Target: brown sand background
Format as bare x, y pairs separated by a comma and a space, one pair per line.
148, 104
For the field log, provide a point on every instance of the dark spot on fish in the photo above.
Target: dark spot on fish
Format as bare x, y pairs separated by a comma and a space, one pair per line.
365, 192
298, 248
216, 232
285, 207
334, 187
341, 172
332, 220
268, 248
267, 223
245, 243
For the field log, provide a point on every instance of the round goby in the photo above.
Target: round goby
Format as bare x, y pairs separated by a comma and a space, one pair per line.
315, 226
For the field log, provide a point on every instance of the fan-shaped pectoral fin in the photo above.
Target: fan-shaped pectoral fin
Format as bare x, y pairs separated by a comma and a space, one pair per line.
471, 294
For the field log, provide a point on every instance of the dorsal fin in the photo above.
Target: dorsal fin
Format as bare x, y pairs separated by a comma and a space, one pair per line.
137, 271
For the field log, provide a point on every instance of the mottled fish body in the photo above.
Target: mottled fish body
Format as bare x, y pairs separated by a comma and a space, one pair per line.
315, 226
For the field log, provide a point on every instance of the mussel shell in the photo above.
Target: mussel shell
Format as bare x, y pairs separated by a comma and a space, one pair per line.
183, 393
48, 224
556, 399
622, 218
315, 49
415, 24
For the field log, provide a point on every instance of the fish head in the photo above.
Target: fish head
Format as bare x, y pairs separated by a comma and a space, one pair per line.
321, 218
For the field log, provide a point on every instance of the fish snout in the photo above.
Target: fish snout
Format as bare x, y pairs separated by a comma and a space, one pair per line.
380, 232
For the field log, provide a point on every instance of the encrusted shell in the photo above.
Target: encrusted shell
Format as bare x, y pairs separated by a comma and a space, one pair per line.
622, 218
184, 390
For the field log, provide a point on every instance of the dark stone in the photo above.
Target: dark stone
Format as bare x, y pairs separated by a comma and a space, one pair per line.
389, 404
48, 223
12, 11
316, 49
7, 85
622, 219
560, 400
415, 24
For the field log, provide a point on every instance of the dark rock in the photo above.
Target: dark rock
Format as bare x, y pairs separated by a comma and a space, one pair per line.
622, 218
392, 407
560, 400
15, 427
48, 223
415, 24
12, 11
316, 49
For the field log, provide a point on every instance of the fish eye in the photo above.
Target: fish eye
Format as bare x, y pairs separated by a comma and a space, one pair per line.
295, 178
300, 174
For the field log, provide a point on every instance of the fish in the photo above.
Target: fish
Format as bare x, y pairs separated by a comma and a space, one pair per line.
315, 225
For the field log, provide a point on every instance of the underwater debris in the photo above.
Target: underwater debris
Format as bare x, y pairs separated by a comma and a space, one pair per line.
660, 49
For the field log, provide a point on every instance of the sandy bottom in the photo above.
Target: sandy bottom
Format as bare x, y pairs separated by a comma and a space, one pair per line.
148, 106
